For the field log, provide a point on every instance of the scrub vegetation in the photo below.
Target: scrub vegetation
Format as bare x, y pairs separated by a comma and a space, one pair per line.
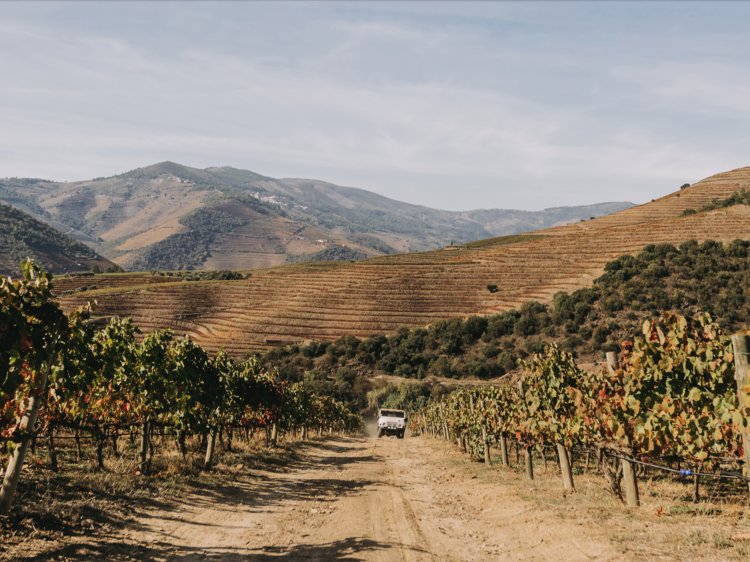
691, 278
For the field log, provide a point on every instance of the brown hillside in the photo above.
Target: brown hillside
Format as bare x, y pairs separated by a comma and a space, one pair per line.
137, 218
694, 197
63, 284
265, 240
130, 212
24, 237
328, 300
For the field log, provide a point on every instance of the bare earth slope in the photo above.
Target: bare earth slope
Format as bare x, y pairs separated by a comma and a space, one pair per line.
327, 300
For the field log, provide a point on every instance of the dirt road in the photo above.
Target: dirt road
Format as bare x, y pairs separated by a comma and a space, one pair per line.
359, 499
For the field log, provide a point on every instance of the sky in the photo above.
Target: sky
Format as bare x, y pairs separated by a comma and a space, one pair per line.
453, 105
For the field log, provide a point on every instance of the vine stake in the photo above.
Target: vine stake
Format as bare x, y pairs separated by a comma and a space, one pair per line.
631, 484
741, 347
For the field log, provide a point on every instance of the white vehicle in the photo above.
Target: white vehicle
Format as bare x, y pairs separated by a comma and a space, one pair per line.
391, 422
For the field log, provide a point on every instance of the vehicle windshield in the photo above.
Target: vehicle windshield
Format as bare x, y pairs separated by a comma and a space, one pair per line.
391, 414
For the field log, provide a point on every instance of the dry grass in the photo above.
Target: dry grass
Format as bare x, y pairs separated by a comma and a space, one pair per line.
667, 526
502, 241
79, 499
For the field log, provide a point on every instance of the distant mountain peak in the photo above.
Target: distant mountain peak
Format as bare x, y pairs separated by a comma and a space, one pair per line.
137, 214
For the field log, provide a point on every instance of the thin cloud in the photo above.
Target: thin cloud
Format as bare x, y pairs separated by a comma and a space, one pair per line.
483, 105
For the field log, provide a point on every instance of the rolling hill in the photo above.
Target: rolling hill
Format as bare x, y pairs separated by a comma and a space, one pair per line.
22, 236
141, 219
327, 300
145, 219
412, 227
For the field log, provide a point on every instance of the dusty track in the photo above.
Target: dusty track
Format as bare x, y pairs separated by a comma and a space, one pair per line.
356, 499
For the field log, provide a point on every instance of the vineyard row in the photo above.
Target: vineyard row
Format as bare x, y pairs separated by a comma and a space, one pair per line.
64, 372
680, 391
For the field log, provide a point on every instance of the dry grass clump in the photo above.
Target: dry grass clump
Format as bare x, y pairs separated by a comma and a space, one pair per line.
80, 499
667, 526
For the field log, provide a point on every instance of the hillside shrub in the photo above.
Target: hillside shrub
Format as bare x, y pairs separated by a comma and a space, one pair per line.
707, 277
22, 237
332, 253
208, 220
372, 242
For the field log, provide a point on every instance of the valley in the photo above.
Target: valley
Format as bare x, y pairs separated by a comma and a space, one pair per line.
23, 237
464, 321
141, 219
374, 281
324, 301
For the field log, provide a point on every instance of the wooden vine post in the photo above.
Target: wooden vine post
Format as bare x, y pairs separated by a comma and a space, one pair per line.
529, 464
741, 347
444, 426
15, 464
503, 446
210, 449
471, 405
628, 468
143, 449
631, 484
565, 468
487, 459
445, 423
526, 448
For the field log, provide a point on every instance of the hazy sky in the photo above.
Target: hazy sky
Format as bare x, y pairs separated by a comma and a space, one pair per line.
451, 105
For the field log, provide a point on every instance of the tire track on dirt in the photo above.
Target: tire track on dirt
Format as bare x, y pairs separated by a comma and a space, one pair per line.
363, 500
414, 544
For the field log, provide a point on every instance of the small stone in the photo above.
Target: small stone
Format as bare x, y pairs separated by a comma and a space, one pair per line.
313, 510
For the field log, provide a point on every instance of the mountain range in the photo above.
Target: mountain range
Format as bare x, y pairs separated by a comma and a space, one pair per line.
171, 217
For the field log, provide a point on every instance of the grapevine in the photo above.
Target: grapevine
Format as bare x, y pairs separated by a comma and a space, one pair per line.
63, 371
673, 394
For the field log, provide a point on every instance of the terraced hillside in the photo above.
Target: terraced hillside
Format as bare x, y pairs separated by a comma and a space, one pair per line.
327, 300
694, 197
